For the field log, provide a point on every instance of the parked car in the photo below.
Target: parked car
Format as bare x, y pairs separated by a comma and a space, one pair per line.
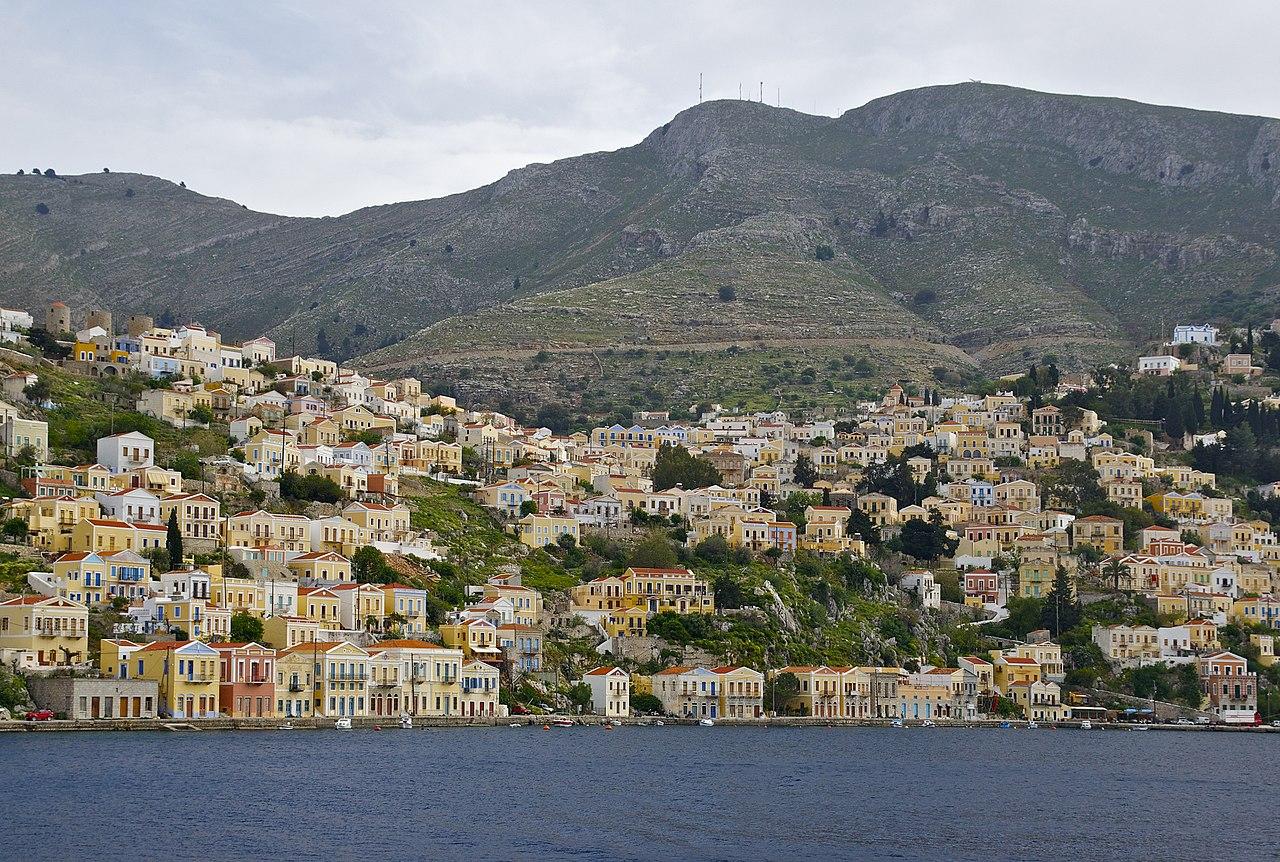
40, 715
1203, 719
1184, 721
519, 709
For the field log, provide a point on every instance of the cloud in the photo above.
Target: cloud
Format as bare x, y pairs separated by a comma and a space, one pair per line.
317, 108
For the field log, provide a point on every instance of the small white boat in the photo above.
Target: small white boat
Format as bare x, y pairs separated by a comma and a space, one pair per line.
1140, 727
1031, 725
1086, 725
515, 724
342, 724
660, 723
406, 722
288, 725
706, 722
928, 723
562, 722
897, 722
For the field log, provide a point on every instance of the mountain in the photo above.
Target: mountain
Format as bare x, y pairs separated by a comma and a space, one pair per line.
971, 227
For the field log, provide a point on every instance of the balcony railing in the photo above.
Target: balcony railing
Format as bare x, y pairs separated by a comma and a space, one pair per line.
296, 686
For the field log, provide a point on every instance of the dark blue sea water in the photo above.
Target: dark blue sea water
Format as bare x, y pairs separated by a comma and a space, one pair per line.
639, 793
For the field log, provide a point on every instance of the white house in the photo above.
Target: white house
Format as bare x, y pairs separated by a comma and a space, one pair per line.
610, 691
1158, 366
923, 585
1195, 334
132, 505
121, 453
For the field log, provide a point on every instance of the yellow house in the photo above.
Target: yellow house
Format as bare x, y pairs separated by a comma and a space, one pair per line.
187, 674
99, 578
199, 515
414, 677
659, 590
408, 603
333, 675
627, 623
378, 522
239, 595
476, 638
44, 631
321, 568
321, 605
537, 531
1010, 670
100, 535
283, 632
51, 521
1105, 534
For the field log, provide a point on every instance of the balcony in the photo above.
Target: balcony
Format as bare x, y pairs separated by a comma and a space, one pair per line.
385, 683
199, 677
296, 686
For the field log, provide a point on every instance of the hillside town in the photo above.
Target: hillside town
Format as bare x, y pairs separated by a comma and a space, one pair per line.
218, 530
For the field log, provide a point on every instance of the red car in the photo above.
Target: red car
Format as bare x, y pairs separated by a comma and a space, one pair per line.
40, 715
520, 709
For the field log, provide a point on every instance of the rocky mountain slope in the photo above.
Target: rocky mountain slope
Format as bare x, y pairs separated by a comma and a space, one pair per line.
970, 226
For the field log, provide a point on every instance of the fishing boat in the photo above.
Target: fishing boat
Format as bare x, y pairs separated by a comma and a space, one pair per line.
515, 724
562, 722
406, 722
660, 723
1140, 727
897, 722
1004, 725
706, 722
1031, 725
1086, 725
342, 724
928, 723
288, 725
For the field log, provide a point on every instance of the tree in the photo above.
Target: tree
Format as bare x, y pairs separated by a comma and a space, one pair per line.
579, 695
728, 293
806, 474
369, 566
675, 465
824, 252
528, 507
644, 703
37, 392
1061, 611
322, 342
779, 690
201, 414
173, 539
926, 540
713, 549
654, 552
1113, 571
314, 488
567, 541
246, 628
861, 524
15, 529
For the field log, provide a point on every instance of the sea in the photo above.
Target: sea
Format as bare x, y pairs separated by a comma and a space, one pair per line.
639, 793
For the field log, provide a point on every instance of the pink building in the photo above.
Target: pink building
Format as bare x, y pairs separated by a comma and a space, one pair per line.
246, 672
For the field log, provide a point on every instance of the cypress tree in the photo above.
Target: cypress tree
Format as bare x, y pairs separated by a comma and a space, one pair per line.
173, 540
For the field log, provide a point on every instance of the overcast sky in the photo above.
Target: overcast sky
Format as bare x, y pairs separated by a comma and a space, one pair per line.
311, 108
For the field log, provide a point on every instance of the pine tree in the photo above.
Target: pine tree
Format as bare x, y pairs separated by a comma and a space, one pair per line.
1061, 611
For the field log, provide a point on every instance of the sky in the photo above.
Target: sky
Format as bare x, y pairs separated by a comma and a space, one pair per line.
317, 108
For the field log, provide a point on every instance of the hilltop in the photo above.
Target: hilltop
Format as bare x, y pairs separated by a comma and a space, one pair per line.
954, 230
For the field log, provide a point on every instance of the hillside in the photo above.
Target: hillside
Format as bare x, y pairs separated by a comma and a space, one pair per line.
972, 227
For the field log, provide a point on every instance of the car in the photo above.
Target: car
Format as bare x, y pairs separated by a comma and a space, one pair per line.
520, 709
40, 715
1184, 721
1275, 722
1203, 719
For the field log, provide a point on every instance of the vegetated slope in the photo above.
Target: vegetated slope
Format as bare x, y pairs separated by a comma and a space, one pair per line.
1004, 222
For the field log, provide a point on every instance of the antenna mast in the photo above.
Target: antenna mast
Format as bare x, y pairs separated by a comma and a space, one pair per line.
699, 88
762, 92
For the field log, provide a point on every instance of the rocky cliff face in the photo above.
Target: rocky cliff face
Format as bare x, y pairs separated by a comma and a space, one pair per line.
972, 209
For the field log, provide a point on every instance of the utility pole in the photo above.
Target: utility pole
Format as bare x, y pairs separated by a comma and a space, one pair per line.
699, 88
762, 92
